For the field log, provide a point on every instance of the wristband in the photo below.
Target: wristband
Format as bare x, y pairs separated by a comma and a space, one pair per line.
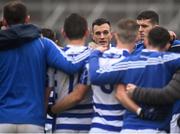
49, 111
138, 111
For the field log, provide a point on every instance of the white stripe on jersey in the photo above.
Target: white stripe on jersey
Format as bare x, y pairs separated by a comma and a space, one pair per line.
107, 112
101, 120
64, 120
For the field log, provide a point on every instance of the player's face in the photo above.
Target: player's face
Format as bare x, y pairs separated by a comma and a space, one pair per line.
144, 27
102, 34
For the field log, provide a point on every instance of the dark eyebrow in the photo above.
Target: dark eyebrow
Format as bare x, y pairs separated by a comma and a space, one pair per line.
104, 32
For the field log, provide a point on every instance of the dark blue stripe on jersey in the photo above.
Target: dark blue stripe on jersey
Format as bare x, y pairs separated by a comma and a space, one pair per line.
111, 55
139, 44
139, 48
49, 121
73, 126
71, 82
79, 76
106, 127
65, 48
83, 106
47, 81
109, 107
52, 122
175, 42
110, 117
51, 99
55, 81
51, 102
126, 53
176, 108
76, 115
84, 76
115, 55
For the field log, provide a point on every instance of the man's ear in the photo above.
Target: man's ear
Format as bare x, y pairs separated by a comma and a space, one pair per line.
4, 22
87, 33
111, 35
115, 35
27, 19
92, 35
63, 33
168, 45
146, 42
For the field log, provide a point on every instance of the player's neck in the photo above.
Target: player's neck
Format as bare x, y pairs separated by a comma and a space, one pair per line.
77, 42
129, 47
155, 49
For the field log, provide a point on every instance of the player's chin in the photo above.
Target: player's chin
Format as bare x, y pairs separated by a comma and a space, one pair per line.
103, 43
142, 36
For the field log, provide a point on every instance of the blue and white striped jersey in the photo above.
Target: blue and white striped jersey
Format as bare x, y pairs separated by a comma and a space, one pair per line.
146, 69
108, 113
78, 117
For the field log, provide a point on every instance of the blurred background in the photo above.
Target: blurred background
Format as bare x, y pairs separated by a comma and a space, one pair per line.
51, 13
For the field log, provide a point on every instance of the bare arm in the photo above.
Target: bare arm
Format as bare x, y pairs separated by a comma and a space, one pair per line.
71, 99
125, 100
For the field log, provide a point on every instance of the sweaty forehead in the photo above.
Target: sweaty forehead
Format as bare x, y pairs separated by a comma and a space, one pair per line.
101, 27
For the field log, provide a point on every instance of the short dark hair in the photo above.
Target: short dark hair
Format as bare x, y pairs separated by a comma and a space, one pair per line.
149, 14
15, 12
46, 32
158, 37
100, 21
127, 30
75, 26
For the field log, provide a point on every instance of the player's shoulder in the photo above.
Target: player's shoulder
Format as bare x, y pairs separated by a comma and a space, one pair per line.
72, 49
114, 52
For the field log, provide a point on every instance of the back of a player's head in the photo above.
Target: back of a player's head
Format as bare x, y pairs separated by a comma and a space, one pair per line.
158, 37
100, 21
149, 14
127, 30
75, 26
15, 12
46, 32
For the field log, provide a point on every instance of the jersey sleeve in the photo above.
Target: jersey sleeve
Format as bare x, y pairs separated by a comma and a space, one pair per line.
58, 59
103, 75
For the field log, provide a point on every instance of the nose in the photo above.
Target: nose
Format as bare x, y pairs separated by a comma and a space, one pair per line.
102, 35
140, 28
